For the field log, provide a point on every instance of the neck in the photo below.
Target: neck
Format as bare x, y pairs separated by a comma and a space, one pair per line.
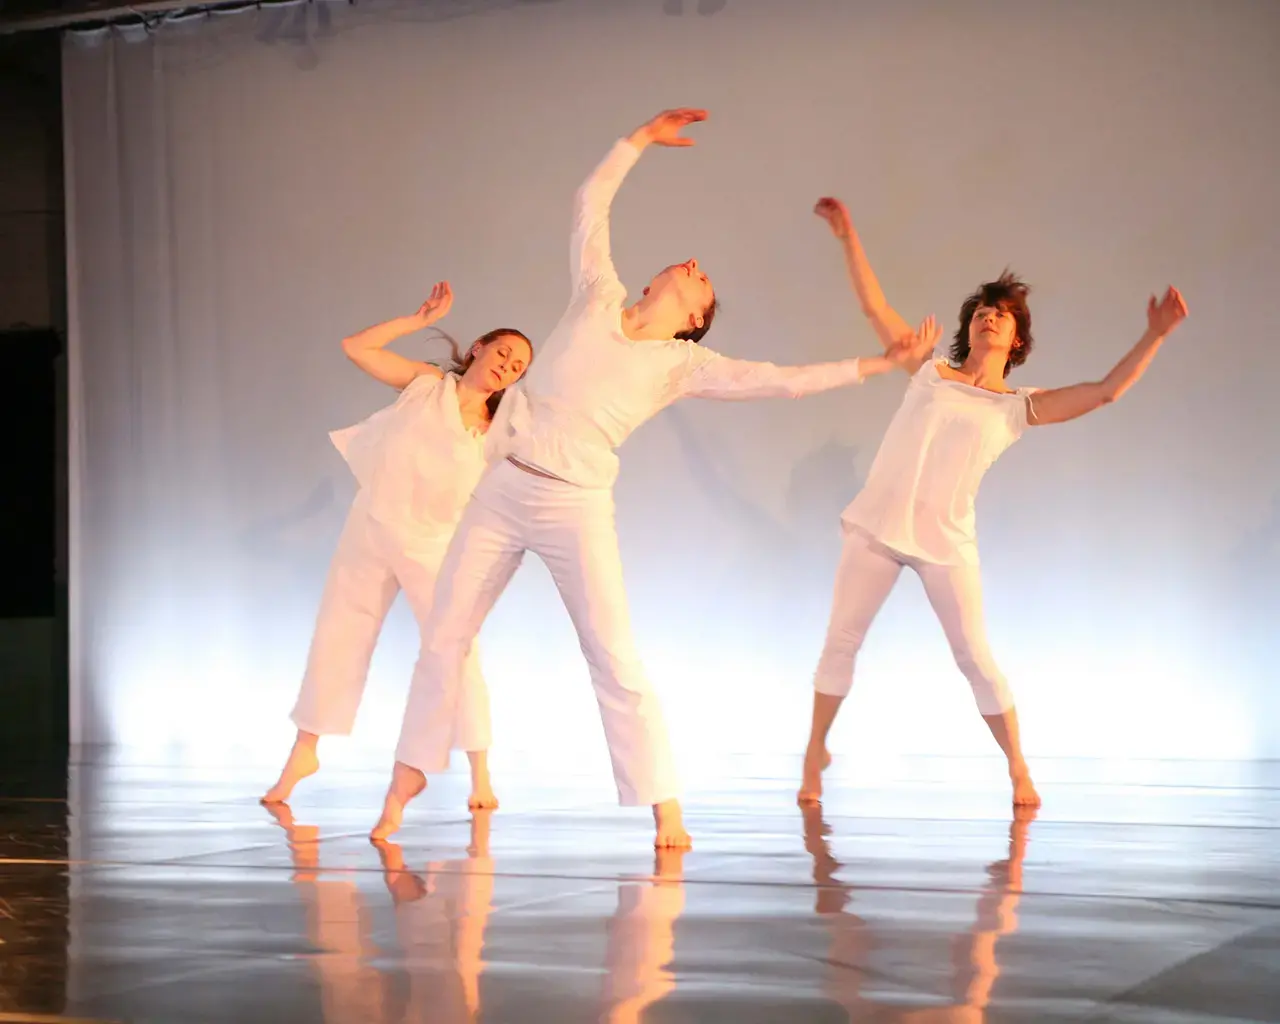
985, 366
647, 321
470, 397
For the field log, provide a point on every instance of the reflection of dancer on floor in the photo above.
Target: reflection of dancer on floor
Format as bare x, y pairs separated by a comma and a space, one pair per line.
417, 462
339, 926
916, 508
642, 941
974, 967
441, 917
605, 369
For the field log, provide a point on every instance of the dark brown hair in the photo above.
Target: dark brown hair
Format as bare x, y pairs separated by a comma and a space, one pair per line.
696, 334
462, 363
1007, 293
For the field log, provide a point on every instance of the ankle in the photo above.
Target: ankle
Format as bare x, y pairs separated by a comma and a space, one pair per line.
406, 778
306, 741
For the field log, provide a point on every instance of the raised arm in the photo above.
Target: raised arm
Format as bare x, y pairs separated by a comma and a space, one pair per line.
890, 327
590, 257
1061, 404
715, 376
368, 349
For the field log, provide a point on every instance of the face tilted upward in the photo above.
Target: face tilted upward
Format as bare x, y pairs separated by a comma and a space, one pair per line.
686, 289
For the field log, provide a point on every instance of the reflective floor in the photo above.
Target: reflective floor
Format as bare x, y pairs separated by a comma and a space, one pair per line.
158, 894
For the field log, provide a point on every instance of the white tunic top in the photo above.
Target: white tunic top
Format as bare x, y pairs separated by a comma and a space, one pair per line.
919, 496
416, 461
590, 386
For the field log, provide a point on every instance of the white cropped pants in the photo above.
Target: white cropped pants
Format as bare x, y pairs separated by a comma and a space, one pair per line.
572, 530
868, 570
372, 564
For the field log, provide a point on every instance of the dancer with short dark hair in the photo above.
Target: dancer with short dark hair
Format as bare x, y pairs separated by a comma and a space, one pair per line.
917, 507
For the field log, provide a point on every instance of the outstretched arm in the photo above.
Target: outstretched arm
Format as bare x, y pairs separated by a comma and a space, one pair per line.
590, 258
368, 349
717, 376
890, 327
1062, 404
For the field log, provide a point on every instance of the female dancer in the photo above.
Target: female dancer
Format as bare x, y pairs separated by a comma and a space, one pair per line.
916, 508
417, 462
607, 368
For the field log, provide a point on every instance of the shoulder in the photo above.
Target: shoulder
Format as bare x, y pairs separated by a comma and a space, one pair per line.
602, 291
429, 381
681, 363
693, 354
932, 368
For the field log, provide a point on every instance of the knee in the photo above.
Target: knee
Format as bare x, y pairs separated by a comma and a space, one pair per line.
834, 676
844, 638
990, 690
446, 631
617, 662
842, 646
441, 654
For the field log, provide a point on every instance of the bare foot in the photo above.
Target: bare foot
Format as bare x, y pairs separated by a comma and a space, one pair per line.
406, 783
668, 822
816, 761
303, 761
1024, 790
482, 797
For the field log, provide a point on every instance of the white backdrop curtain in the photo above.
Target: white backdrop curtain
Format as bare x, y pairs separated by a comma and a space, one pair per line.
244, 189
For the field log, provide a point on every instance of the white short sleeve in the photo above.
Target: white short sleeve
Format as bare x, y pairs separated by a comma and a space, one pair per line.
1020, 419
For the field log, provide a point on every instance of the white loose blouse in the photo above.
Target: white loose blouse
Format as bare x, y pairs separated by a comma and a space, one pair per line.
919, 496
416, 461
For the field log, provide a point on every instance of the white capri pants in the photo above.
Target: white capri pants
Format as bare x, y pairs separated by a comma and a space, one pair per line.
371, 565
868, 570
572, 530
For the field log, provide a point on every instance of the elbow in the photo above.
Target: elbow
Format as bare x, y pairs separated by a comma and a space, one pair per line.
351, 349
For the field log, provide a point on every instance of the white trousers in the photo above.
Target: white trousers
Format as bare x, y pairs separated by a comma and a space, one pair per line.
868, 570
372, 564
572, 530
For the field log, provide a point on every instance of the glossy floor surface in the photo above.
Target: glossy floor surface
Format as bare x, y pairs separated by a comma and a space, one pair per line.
167, 895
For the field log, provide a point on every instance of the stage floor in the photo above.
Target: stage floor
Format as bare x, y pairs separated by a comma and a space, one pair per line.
154, 894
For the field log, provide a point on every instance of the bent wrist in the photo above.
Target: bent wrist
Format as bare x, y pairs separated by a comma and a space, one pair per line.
640, 138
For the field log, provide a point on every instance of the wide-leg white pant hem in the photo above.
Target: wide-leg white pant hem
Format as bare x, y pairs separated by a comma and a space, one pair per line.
371, 565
